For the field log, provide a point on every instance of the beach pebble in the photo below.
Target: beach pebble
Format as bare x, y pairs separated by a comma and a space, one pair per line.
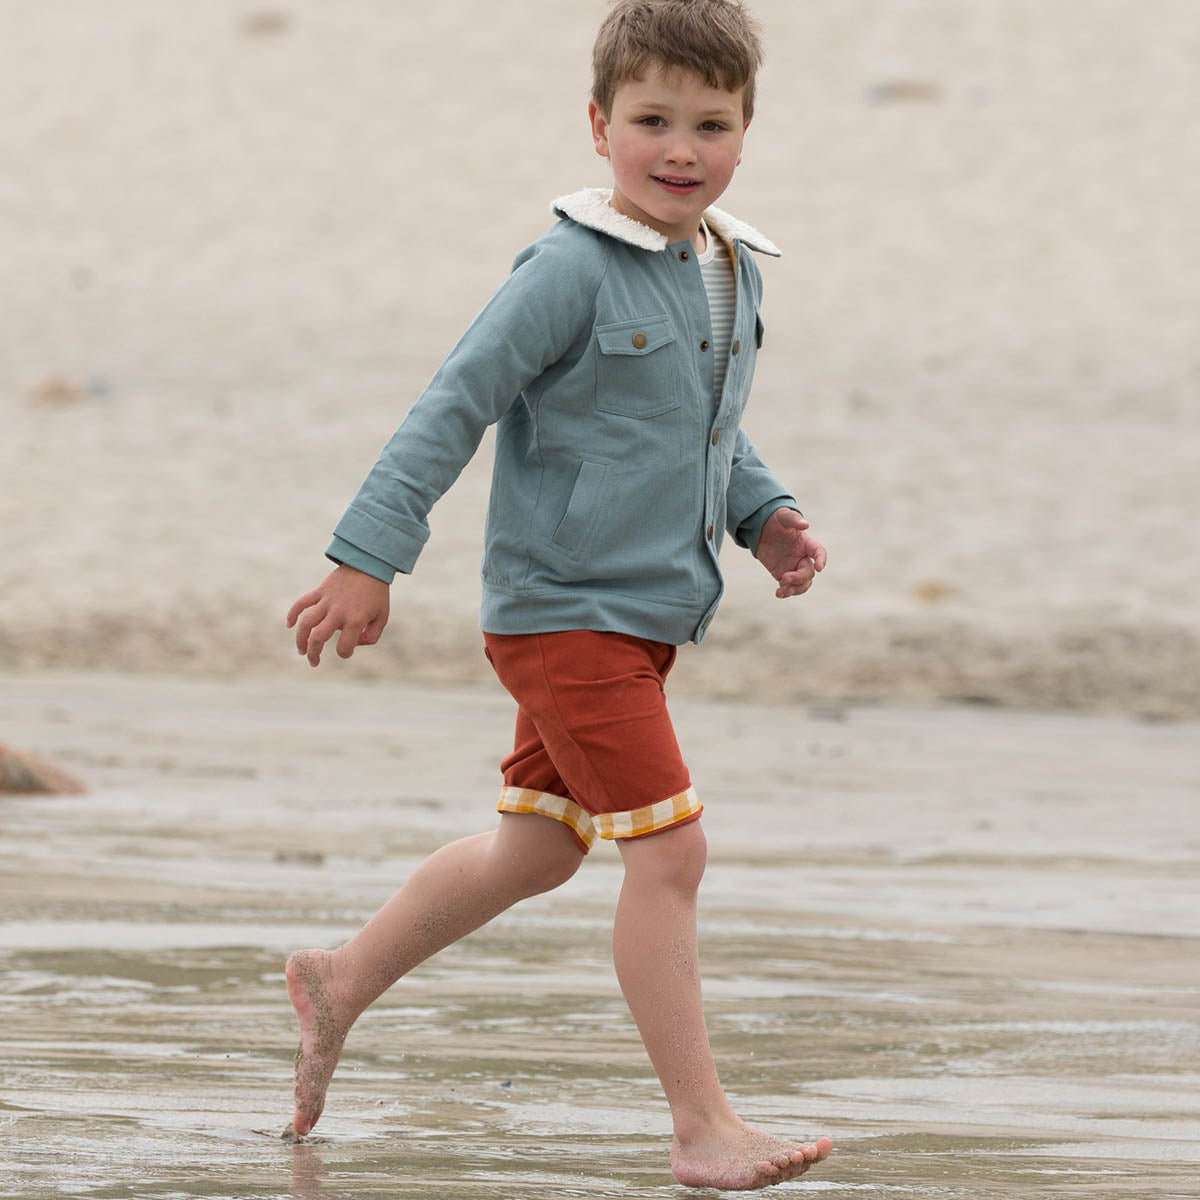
308, 858
905, 91
289, 1134
267, 23
57, 391
932, 591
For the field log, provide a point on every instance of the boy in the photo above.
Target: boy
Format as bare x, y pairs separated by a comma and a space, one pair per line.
616, 361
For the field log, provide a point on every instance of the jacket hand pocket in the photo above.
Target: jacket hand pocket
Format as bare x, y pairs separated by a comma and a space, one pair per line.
577, 521
637, 372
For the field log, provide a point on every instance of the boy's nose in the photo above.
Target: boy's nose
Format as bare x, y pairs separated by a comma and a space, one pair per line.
681, 152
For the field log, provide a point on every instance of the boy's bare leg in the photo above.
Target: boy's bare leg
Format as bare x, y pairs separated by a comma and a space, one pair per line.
456, 890
655, 951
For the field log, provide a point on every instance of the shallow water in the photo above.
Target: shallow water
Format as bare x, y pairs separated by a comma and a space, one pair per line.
963, 944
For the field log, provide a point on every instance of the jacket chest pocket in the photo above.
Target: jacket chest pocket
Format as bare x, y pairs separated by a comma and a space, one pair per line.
637, 374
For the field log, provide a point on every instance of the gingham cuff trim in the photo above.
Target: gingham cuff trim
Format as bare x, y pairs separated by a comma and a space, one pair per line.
650, 819
525, 800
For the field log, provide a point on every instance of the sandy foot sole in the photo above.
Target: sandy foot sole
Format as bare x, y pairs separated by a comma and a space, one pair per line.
321, 1035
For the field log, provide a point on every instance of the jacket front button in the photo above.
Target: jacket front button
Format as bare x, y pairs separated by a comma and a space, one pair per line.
710, 533
737, 345
716, 436
683, 256
639, 341
703, 345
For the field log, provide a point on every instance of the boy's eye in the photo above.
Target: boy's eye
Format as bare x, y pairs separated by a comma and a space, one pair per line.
712, 126
651, 121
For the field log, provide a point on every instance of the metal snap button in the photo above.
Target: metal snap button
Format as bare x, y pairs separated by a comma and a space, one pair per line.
683, 256
703, 345
716, 436
737, 345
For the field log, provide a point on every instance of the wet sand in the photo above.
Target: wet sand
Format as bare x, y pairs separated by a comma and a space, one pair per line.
963, 943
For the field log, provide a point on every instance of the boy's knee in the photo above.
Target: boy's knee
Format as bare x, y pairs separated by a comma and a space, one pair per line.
540, 859
674, 858
534, 853
552, 870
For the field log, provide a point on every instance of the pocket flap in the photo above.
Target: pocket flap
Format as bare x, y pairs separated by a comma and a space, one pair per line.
639, 336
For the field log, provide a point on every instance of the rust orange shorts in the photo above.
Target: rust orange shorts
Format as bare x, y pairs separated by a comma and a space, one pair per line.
594, 745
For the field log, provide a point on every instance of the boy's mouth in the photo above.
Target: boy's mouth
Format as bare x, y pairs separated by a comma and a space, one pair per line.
676, 184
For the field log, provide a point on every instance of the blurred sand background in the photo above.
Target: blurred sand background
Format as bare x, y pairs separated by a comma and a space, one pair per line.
236, 239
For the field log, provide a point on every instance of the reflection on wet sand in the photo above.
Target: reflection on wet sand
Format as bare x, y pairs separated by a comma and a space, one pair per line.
970, 967
307, 1173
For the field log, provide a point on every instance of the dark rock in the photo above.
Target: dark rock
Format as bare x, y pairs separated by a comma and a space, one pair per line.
24, 774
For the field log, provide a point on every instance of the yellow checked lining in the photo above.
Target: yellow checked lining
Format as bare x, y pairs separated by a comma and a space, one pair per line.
526, 800
649, 819
641, 821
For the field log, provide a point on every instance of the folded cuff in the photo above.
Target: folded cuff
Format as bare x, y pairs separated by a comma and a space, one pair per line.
397, 546
750, 530
526, 800
347, 554
676, 810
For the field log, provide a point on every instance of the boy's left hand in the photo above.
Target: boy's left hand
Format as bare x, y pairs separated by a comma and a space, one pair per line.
789, 552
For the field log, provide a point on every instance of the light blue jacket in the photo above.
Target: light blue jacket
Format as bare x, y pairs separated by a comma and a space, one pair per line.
616, 475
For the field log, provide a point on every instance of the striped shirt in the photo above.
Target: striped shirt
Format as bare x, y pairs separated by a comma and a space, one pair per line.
717, 272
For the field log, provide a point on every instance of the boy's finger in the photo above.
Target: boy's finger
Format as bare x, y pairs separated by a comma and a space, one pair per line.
309, 598
348, 641
795, 583
317, 639
302, 631
311, 618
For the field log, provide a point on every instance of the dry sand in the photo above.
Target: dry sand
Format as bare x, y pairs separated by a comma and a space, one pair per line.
235, 241
961, 943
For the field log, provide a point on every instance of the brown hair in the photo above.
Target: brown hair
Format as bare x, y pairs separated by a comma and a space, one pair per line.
716, 40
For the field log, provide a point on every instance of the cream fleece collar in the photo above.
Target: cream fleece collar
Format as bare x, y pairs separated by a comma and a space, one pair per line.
591, 207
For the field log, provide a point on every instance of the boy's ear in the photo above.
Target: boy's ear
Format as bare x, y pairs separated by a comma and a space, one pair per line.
739, 157
599, 124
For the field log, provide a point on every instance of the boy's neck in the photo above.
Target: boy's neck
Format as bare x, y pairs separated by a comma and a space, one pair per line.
699, 238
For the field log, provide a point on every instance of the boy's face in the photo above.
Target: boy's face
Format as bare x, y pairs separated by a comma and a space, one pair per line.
673, 142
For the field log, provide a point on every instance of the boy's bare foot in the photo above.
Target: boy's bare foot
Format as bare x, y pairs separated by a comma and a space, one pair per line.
734, 1157
322, 1032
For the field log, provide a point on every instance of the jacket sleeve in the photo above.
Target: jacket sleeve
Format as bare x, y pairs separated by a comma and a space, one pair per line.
754, 493
528, 324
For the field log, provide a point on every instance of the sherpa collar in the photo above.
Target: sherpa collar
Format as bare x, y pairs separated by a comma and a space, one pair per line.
591, 207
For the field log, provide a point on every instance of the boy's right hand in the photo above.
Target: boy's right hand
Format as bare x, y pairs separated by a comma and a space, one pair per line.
347, 599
